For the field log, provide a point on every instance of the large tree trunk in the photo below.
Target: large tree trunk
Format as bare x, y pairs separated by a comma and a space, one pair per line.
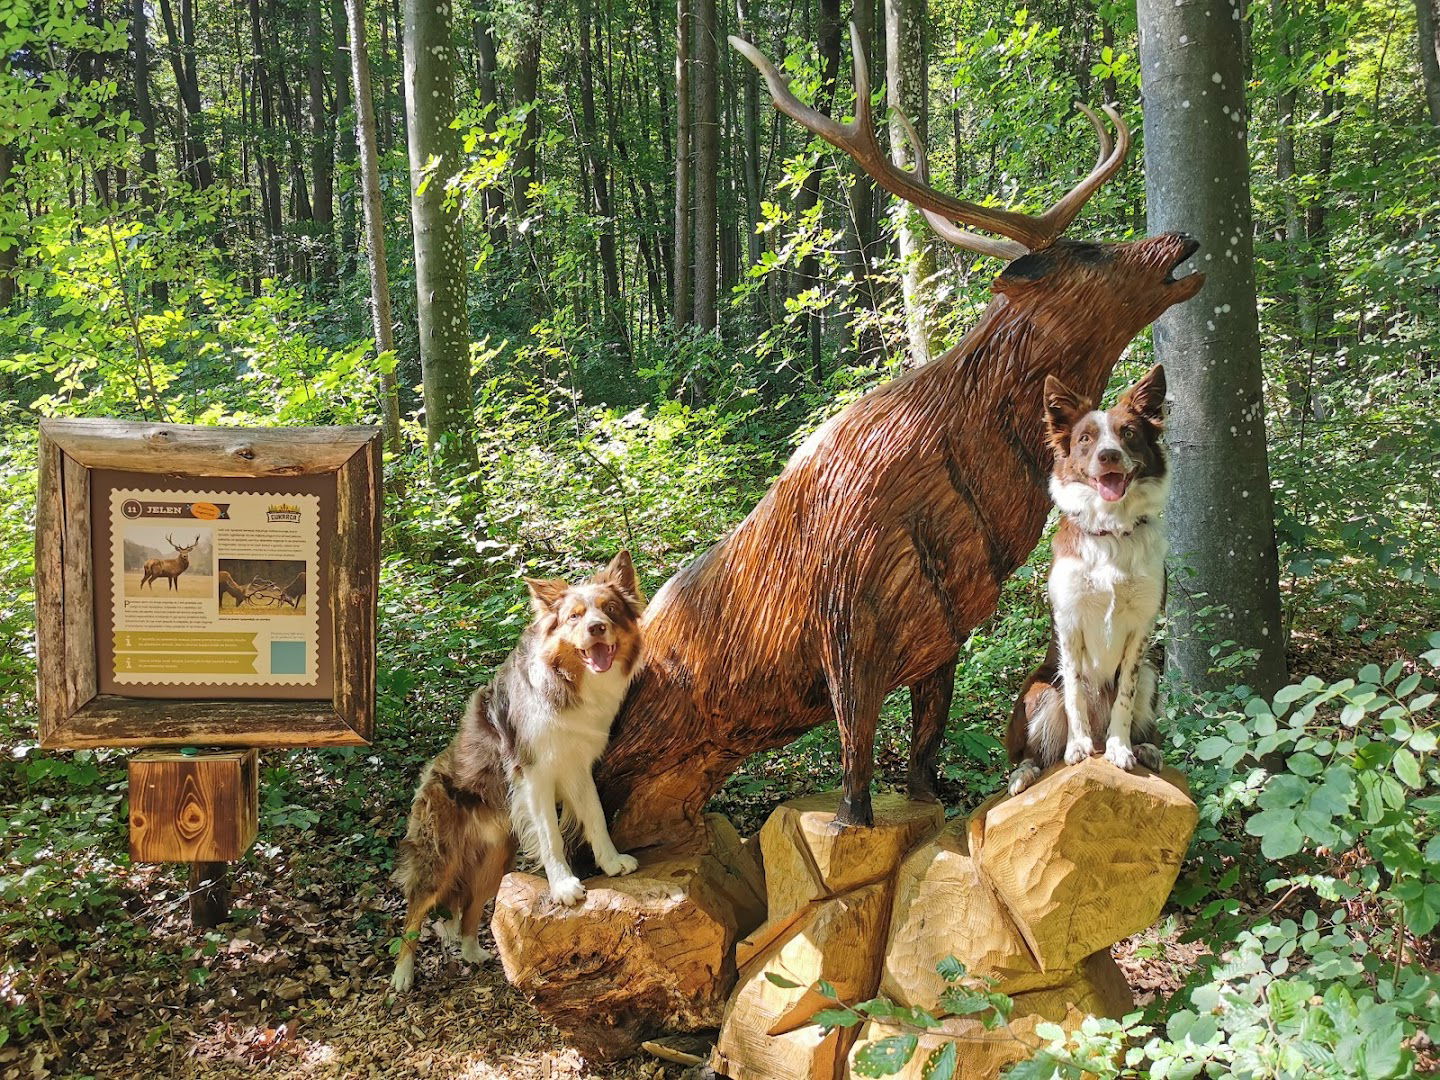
1427, 27
440, 264
374, 215
707, 166
144, 110
527, 89
269, 171
1220, 517
906, 81
684, 281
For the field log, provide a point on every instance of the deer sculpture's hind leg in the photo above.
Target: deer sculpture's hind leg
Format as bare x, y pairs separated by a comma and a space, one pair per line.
856, 696
930, 699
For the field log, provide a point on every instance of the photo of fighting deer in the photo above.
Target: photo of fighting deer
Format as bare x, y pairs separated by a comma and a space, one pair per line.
161, 560
261, 586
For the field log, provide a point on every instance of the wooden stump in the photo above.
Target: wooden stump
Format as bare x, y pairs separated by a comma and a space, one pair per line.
1087, 856
1029, 891
830, 892
642, 954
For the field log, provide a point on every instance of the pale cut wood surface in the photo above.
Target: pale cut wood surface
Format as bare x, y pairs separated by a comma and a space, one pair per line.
802, 1054
982, 1054
200, 808
945, 907
198, 450
1087, 856
1096, 988
642, 954
806, 857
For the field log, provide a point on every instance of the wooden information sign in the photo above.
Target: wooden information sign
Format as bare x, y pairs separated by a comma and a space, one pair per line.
205, 586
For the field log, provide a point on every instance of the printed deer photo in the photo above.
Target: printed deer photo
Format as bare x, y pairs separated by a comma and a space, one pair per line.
261, 587
182, 565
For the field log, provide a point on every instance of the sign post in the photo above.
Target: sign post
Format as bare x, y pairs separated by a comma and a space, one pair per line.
205, 586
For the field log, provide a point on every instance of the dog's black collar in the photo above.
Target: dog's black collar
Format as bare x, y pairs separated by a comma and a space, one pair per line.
1143, 520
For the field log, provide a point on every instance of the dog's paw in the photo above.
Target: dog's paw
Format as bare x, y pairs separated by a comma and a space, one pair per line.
1023, 776
471, 952
623, 864
1119, 754
568, 891
404, 977
1149, 755
1077, 750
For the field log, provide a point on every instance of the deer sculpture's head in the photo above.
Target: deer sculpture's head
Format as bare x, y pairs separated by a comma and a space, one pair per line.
1096, 294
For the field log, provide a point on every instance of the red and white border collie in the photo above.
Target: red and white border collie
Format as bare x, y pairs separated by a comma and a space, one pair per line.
528, 740
1107, 583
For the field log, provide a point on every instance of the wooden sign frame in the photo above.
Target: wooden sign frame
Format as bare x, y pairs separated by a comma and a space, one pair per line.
73, 713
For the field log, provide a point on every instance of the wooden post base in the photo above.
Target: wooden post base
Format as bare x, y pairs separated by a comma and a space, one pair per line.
209, 894
201, 809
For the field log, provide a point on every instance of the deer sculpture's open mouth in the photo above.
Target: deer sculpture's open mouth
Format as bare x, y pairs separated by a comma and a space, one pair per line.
1189, 247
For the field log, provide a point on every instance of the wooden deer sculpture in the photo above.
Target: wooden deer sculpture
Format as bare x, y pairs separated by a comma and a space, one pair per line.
170, 568
886, 538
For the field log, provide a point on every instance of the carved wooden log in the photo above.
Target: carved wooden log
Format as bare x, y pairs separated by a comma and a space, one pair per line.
1027, 892
646, 953
830, 893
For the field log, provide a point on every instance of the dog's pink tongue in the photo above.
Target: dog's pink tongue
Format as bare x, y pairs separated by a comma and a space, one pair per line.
600, 657
1112, 486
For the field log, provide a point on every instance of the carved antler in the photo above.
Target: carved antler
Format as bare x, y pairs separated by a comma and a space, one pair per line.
945, 213
171, 542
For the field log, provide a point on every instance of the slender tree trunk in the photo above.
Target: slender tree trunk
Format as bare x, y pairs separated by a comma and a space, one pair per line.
1427, 26
269, 171
1297, 387
11, 250
374, 217
751, 127
440, 264
1220, 517
599, 185
906, 83
707, 166
684, 266
487, 67
322, 143
808, 275
144, 110
527, 92
182, 63
345, 130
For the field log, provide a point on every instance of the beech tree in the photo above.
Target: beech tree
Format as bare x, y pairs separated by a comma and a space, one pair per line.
1220, 518
440, 263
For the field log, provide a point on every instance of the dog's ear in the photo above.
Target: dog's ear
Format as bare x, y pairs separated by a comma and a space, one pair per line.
545, 593
621, 574
1063, 408
1147, 397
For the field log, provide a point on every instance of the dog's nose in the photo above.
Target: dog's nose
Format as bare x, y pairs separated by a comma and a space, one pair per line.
597, 629
1109, 457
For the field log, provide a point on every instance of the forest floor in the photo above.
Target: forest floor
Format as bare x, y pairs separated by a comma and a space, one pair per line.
297, 985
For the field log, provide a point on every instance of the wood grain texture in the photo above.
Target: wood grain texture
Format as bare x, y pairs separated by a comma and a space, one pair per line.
936, 483
117, 721
355, 585
72, 715
945, 907
1087, 856
201, 808
646, 953
196, 450
807, 857
55, 705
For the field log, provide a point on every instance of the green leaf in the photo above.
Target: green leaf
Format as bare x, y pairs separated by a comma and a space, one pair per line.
1406, 686
887, 1056
1305, 764
1208, 749
1287, 694
1407, 768
1279, 834
841, 1017
941, 1063
781, 981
